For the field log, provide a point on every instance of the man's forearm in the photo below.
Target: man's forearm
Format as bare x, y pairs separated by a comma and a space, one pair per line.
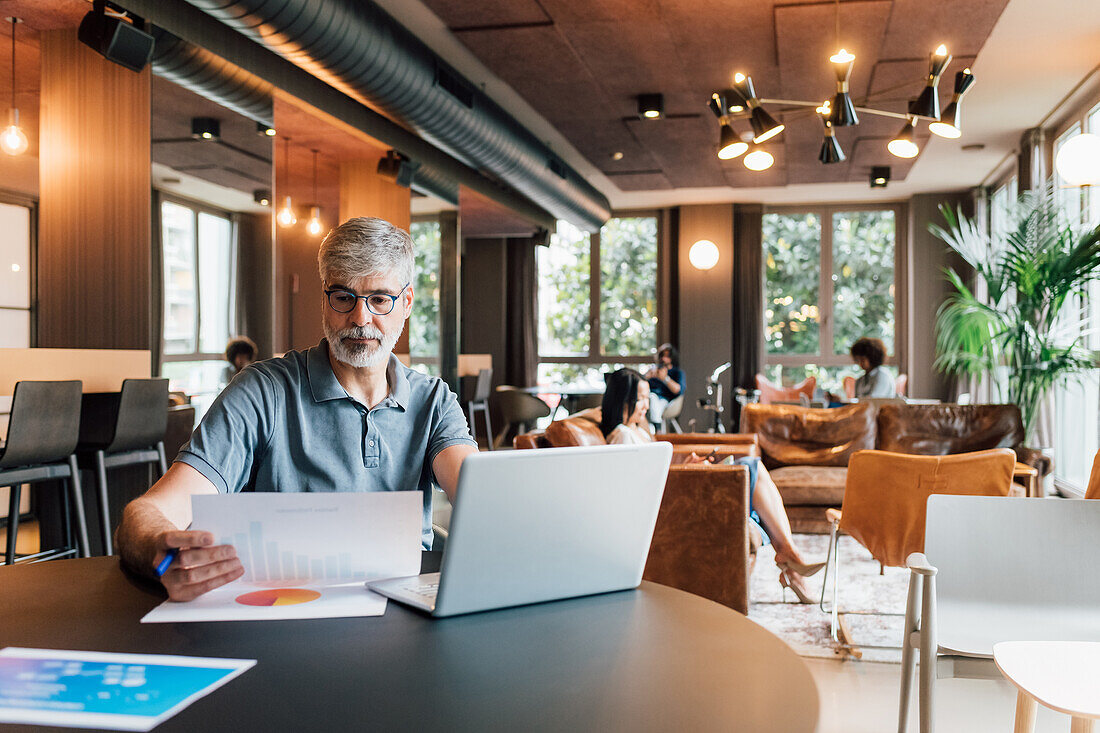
136, 537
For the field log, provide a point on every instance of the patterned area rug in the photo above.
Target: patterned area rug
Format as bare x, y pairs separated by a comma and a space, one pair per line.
865, 593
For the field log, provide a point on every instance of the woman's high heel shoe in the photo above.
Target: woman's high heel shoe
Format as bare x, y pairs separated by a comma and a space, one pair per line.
803, 569
796, 588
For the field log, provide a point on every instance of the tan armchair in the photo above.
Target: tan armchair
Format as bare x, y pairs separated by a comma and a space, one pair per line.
771, 392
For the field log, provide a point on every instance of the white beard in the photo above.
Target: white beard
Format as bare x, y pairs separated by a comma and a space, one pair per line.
361, 356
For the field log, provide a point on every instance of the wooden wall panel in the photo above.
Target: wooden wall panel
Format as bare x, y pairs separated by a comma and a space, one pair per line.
94, 214
365, 193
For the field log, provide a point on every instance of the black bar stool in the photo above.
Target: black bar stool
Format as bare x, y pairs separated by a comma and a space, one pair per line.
123, 429
480, 403
42, 436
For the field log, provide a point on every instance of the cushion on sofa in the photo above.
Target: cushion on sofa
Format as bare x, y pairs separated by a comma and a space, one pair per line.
803, 436
811, 485
939, 430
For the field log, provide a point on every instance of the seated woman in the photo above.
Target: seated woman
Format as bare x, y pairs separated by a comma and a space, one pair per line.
623, 420
875, 381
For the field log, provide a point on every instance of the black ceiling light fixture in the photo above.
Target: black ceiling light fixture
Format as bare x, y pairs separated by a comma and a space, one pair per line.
262, 196
741, 101
651, 106
205, 128
764, 126
880, 176
950, 123
262, 128
112, 34
928, 103
831, 151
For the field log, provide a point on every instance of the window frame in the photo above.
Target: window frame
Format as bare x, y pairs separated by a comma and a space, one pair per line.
427, 361
595, 356
196, 208
899, 359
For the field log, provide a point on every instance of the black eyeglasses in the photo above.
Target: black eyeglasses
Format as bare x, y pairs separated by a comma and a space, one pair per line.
380, 304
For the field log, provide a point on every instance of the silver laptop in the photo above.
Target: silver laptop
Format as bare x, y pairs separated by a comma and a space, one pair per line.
541, 525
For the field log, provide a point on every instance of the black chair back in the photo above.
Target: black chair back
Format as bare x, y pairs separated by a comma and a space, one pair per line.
44, 425
142, 415
484, 385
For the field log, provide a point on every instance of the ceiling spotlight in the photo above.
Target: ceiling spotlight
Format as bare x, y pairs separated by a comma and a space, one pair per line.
205, 128
831, 151
764, 126
759, 160
903, 144
651, 106
730, 144
928, 103
262, 196
262, 128
735, 104
880, 176
843, 111
950, 124
617, 155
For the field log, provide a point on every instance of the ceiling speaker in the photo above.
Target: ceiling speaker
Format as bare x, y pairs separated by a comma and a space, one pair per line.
116, 39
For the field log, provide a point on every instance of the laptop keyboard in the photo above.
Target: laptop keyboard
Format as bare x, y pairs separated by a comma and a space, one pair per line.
422, 588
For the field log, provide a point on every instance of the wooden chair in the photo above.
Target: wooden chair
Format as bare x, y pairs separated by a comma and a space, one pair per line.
992, 571
771, 392
1093, 490
884, 505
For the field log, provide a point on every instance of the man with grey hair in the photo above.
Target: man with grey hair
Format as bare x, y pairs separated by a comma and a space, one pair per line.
345, 415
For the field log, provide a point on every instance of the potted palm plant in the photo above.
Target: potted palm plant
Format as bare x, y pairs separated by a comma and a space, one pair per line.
1032, 274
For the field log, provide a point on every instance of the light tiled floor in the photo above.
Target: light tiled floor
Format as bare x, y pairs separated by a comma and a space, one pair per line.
862, 697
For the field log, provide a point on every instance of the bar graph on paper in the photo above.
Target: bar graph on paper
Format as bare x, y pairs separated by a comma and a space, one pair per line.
265, 561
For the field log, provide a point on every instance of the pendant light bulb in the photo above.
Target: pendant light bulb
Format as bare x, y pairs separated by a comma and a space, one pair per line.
759, 160
314, 226
842, 57
286, 217
13, 140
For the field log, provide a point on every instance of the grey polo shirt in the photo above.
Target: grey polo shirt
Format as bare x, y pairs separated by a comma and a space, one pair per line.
286, 424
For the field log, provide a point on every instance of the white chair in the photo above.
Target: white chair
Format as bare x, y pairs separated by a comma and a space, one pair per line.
672, 411
993, 570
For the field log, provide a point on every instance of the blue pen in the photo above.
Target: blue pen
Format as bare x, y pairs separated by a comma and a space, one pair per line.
169, 558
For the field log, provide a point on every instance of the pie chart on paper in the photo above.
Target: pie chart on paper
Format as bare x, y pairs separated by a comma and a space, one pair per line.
278, 597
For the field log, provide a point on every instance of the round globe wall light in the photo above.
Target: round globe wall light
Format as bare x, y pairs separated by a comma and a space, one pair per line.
1078, 161
703, 254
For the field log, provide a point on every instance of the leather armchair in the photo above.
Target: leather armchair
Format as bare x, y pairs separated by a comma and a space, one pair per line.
701, 542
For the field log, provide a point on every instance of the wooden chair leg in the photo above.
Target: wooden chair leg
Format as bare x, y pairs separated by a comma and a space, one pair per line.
1080, 725
1025, 713
928, 648
908, 657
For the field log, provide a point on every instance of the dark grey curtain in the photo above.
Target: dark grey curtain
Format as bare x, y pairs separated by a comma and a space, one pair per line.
748, 297
521, 315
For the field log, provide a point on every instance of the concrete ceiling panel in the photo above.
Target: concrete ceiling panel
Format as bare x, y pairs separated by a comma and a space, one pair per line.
464, 14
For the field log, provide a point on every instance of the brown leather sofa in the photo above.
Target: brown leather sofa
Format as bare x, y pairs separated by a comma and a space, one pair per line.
701, 542
806, 449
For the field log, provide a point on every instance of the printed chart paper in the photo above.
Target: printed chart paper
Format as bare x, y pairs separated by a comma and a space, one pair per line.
105, 690
305, 555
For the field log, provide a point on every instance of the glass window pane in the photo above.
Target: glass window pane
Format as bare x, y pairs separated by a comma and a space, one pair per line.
1075, 429
564, 297
828, 378
792, 266
202, 380
15, 256
863, 278
628, 286
15, 328
180, 311
216, 278
424, 321
1069, 197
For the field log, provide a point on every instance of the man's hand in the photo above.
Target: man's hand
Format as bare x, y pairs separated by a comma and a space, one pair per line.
199, 567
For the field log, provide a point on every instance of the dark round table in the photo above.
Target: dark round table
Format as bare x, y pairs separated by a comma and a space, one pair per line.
652, 659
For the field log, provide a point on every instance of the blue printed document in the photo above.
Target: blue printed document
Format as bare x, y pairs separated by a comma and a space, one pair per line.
105, 690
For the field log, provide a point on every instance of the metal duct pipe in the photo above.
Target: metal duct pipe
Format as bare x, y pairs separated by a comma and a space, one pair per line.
227, 84
357, 47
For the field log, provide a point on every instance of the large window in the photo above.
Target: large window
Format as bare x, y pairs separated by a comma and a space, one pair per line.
597, 300
829, 279
1076, 405
424, 321
199, 256
15, 276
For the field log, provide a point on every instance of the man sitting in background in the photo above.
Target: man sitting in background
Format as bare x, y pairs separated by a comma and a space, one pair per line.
345, 415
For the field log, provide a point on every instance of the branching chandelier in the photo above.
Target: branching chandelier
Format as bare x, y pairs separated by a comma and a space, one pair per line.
740, 103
